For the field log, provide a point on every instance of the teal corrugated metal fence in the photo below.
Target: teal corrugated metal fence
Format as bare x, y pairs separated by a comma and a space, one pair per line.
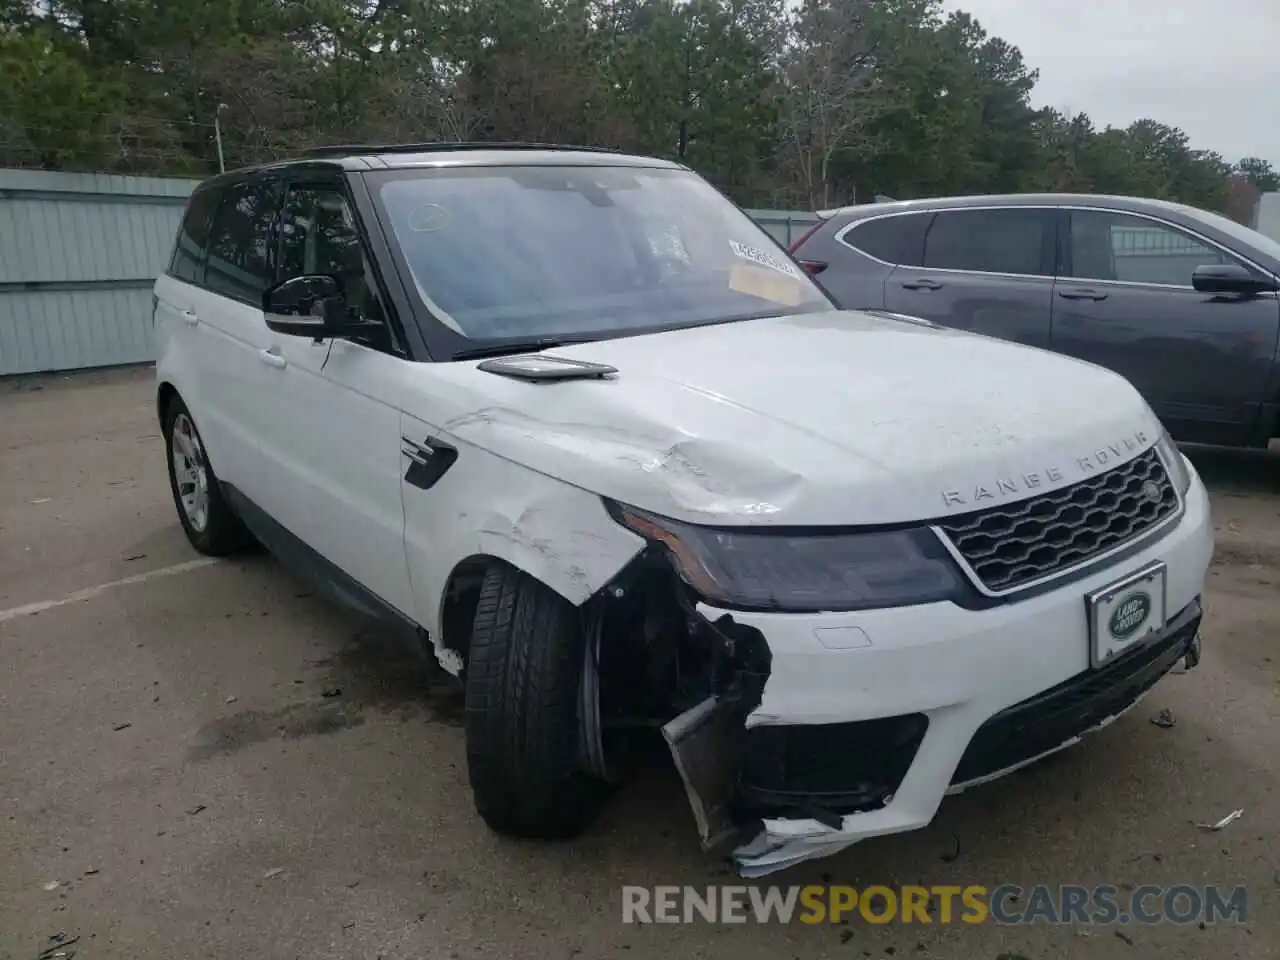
78, 256
786, 226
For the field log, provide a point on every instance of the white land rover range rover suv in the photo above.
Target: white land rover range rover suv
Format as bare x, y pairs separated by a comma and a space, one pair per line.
595, 442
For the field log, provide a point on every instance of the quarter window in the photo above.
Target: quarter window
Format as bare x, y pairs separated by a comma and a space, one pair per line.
239, 245
989, 241
1117, 246
187, 262
898, 239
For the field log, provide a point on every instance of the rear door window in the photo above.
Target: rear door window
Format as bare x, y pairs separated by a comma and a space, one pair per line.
897, 239
1012, 241
187, 262
239, 262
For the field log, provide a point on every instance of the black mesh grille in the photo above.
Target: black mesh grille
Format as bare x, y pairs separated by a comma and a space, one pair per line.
1013, 544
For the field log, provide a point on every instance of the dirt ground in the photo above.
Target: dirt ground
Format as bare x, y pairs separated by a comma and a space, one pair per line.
201, 760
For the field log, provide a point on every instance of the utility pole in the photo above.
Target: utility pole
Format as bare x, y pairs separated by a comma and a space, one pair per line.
217, 136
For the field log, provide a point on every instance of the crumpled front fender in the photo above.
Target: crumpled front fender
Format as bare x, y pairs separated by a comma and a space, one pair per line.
488, 506
661, 469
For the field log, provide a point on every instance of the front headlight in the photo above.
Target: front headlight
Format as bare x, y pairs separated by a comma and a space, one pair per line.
759, 569
1174, 463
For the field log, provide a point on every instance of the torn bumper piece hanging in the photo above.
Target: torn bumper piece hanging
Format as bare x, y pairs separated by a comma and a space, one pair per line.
784, 843
794, 783
707, 743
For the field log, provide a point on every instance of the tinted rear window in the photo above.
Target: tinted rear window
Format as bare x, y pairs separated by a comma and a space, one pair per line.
989, 241
896, 239
187, 262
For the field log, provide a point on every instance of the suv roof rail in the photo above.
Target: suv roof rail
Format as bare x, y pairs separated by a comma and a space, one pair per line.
349, 149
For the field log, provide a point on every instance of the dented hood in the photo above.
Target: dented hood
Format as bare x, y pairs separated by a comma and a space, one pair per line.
830, 418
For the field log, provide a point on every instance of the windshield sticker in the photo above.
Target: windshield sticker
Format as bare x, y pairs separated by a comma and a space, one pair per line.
765, 284
764, 259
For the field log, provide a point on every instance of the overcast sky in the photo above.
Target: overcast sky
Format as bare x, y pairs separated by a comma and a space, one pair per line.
1211, 67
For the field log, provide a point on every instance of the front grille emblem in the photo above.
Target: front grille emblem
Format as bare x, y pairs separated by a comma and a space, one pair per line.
1151, 490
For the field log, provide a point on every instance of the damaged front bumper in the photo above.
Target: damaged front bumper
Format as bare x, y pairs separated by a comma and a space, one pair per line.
1014, 737
869, 719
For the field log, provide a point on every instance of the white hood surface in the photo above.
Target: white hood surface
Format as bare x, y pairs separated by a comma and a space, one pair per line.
815, 419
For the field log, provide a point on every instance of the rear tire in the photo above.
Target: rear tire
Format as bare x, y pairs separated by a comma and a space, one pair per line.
523, 673
207, 519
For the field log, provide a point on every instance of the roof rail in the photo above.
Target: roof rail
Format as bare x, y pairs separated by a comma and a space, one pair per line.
360, 149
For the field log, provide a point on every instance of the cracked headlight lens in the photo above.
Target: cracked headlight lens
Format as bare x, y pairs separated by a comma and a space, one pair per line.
760, 569
1174, 462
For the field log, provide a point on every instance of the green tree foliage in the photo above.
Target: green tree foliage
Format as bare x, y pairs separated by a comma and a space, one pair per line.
813, 103
1258, 172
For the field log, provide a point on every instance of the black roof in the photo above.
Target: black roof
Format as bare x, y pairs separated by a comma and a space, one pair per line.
438, 146
392, 156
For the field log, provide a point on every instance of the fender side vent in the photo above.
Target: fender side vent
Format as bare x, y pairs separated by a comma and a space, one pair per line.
428, 461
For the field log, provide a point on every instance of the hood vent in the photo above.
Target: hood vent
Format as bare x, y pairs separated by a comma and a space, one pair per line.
539, 368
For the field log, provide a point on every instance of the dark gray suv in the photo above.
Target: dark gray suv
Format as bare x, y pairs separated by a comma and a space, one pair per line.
1181, 302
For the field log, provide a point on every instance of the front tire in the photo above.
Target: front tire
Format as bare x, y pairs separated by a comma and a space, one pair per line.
522, 677
207, 519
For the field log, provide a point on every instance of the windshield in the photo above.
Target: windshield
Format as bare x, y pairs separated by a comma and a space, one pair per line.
534, 252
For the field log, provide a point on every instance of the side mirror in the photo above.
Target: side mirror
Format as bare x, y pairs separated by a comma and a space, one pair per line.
1230, 278
309, 306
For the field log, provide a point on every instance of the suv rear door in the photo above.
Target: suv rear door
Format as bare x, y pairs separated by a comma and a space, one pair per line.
175, 295
988, 270
234, 392
1125, 301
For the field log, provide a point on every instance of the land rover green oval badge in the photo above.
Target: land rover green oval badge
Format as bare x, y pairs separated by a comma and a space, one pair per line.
1129, 614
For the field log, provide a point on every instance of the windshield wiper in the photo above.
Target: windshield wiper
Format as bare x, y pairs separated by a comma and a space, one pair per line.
514, 347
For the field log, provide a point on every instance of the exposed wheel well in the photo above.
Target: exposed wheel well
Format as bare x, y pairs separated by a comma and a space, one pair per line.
164, 396
635, 656
461, 595
657, 643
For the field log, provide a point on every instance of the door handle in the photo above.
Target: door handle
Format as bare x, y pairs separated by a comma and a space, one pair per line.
273, 359
1082, 293
924, 283
189, 317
